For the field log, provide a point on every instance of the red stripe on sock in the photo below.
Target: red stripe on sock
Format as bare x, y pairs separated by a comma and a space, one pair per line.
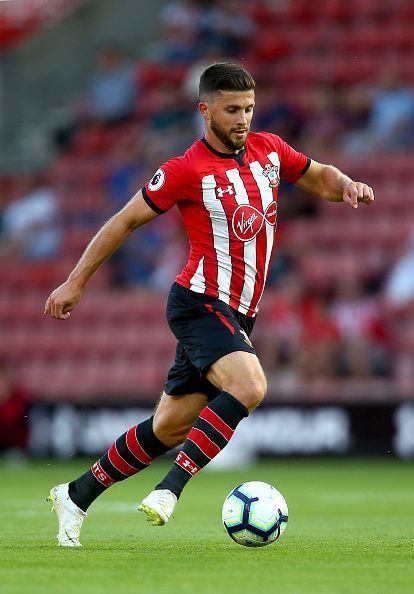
101, 475
135, 447
203, 442
185, 462
119, 463
211, 417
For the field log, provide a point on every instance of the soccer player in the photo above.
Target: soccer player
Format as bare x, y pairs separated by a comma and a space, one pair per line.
226, 188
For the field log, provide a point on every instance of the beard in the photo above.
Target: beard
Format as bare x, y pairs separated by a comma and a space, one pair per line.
226, 139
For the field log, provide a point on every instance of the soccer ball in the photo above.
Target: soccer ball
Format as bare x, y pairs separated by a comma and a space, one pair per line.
255, 514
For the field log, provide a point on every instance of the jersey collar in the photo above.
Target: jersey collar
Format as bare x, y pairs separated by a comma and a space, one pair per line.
239, 157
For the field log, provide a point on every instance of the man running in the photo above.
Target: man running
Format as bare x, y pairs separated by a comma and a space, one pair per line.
226, 188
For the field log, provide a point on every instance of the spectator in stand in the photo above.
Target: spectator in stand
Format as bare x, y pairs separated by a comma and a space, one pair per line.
226, 24
165, 269
390, 124
180, 21
170, 111
318, 340
182, 15
126, 167
31, 223
362, 336
110, 98
325, 121
280, 342
276, 114
14, 404
137, 259
399, 308
300, 340
191, 28
113, 89
356, 103
402, 324
399, 286
392, 117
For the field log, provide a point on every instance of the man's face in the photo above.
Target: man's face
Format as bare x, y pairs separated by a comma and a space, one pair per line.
228, 115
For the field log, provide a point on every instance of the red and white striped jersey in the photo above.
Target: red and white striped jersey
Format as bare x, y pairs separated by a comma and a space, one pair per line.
229, 206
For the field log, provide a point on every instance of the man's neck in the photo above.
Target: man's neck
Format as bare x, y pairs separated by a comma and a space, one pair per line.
217, 145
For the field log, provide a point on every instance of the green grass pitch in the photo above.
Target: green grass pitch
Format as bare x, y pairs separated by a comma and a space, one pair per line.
350, 531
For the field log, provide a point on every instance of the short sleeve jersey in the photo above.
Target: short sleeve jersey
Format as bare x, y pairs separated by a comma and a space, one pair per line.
229, 207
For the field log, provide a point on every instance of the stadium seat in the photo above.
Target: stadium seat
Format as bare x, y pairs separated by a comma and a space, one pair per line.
117, 342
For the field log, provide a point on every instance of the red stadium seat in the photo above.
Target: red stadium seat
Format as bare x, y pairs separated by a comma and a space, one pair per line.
117, 342
151, 75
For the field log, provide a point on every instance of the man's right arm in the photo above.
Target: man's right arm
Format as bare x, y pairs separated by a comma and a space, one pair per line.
65, 298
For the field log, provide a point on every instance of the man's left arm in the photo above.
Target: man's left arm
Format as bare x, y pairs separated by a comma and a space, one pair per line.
331, 184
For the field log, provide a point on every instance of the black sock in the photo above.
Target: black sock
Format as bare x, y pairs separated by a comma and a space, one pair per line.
132, 452
209, 435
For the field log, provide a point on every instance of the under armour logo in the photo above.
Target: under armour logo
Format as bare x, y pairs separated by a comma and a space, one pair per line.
222, 191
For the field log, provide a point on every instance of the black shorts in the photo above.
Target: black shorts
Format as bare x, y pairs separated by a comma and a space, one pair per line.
206, 329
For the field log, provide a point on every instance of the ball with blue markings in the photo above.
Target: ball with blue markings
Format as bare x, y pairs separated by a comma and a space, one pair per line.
255, 514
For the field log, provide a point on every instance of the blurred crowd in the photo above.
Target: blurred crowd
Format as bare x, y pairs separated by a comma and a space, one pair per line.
133, 116
14, 409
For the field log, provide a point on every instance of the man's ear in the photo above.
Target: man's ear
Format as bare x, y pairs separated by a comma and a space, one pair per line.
204, 110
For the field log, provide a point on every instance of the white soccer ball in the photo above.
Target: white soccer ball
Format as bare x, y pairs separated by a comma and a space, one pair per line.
255, 514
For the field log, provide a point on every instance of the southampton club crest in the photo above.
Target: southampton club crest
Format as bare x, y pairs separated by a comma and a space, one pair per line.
272, 174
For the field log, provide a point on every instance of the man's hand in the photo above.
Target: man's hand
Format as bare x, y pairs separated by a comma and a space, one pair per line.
355, 192
63, 300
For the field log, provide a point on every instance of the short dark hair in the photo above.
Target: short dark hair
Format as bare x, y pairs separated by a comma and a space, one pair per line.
225, 76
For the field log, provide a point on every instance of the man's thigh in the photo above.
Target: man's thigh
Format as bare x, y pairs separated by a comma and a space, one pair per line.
234, 366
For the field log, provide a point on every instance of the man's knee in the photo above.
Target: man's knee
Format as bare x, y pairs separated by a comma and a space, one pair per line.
241, 374
249, 391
